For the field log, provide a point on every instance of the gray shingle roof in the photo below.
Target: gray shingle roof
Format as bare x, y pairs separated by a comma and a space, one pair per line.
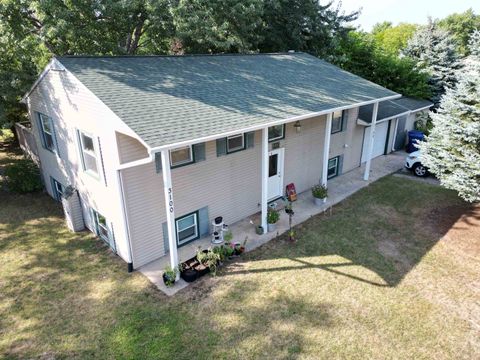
391, 108
169, 99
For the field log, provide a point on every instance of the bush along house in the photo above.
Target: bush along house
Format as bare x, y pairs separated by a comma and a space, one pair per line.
145, 151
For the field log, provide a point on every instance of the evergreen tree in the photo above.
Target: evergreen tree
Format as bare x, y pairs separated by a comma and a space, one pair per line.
452, 150
434, 51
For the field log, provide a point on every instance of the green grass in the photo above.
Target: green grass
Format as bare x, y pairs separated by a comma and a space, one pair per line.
373, 280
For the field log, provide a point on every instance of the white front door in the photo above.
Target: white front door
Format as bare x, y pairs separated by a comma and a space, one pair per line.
379, 140
275, 173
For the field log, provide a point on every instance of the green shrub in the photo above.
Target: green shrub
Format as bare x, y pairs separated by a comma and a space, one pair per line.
23, 176
319, 191
272, 216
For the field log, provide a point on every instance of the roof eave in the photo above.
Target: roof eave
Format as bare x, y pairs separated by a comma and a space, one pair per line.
156, 149
53, 64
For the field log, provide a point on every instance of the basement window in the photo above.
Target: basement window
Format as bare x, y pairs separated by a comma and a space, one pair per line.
187, 228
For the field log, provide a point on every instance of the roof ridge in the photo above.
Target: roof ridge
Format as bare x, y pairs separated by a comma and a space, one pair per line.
178, 56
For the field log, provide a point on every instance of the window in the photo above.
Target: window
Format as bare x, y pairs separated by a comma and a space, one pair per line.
276, 132
333, 167
181, 156
101, 226
187, 228
88, 153
235, 143
47, 132
57, 189
337, 122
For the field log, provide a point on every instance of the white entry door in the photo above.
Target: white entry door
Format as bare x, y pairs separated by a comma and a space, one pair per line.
378, 142
275, 173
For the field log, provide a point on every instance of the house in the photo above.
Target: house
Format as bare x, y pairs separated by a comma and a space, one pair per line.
146, 151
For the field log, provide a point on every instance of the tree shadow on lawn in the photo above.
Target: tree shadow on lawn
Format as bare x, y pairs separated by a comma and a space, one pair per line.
386, 228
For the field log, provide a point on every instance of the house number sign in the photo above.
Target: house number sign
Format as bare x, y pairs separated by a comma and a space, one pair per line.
170, 199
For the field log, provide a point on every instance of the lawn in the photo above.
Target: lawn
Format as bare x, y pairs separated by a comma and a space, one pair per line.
388, 275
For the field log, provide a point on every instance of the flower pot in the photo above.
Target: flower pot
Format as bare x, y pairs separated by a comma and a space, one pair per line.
168, 280
259, 230
189, 275
318, 201
272, 227
218, 220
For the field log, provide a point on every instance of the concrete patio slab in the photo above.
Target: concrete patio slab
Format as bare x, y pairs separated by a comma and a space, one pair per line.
339, 188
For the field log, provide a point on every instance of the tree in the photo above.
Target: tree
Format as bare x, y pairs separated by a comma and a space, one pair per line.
452, 149
359, 54
304, 25
393, 39
434, 52
213, 26
461, 26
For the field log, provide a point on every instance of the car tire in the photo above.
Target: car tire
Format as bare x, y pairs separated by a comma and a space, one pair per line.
420, 170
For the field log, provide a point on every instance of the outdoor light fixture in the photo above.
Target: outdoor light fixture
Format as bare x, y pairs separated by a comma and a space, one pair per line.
297, 126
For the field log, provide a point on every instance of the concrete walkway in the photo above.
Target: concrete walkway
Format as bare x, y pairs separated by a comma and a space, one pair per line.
339, 188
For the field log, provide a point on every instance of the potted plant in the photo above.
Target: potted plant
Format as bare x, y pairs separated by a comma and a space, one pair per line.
210, 259
229, 250
272, 217
319, 193
169, 276
228, 236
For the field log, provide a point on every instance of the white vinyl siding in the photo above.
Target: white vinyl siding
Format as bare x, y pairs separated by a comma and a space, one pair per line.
72, 106
229, 185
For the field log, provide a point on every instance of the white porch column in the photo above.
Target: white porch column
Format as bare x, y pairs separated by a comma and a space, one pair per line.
169, 208
326, 149
370, 142
265, 159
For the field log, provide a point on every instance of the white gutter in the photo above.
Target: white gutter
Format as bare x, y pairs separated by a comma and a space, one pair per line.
364, 123
131, 164
271, 123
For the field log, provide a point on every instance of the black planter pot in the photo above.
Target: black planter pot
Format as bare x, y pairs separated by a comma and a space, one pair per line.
167, 279
189, 275
218, 220
202, 270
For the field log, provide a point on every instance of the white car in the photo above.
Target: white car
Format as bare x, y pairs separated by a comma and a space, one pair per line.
412, 162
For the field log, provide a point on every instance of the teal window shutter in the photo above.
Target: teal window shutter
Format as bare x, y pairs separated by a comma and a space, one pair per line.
203, 221
340, 164
158, 162
344, 120
199, 152
221, 146
250, 139
166, 245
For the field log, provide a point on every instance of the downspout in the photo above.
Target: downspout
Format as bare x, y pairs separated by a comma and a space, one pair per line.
125, 221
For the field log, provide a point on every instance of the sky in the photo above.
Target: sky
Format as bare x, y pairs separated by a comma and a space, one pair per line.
412, 11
